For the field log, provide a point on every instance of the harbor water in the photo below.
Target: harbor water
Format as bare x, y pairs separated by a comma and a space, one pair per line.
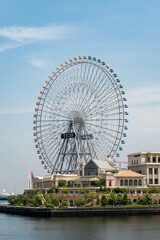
95, 228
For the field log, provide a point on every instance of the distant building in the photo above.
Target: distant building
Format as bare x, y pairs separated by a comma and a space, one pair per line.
147, 163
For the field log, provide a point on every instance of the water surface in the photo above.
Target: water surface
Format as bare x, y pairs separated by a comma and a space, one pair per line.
95, 228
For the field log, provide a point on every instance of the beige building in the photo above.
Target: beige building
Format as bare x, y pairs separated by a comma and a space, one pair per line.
88, 175
146, 163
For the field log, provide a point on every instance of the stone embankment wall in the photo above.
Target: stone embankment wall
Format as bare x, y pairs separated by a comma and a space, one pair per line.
79, 212
71, 198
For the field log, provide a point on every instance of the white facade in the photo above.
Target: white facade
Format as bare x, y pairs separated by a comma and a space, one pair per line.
147, 163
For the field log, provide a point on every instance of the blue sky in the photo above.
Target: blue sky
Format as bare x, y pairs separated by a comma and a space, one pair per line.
37, 36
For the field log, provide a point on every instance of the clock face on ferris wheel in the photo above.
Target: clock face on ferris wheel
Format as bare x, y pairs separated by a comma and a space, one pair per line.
80, 115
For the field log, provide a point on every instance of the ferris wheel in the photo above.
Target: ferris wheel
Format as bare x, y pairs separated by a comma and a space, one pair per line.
80, 115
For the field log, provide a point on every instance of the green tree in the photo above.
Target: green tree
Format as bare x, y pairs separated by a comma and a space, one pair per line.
119, 199
98, 201
11, 199
52, 190
38, 200
126, 200
148, 199
64, 203
100, 183
80, 201
55, 200
120, 190
105, 190
61, 183
104, 200
64, 190
91, 197
112, 199
48, 199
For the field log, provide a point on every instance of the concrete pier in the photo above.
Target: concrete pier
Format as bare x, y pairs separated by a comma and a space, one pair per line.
80, 211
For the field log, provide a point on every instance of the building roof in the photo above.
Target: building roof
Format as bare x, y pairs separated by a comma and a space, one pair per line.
104, 165
128, 173
143, 153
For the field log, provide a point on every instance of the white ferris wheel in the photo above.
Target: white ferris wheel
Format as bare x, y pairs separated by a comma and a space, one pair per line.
80, 115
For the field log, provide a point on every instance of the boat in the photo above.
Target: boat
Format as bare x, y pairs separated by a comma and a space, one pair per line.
4, 195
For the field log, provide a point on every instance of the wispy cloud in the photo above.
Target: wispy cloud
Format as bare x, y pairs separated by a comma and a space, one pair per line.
5, 47
144, 95
19, 36
39, 62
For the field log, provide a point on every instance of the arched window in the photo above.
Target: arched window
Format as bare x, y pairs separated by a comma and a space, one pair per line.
71, 203
130, 182
135, 182
140, 182
121, 182
126, 182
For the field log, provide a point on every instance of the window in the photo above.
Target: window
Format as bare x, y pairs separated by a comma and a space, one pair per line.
130, 182
81, 173
154, 159
159, 159
156, 180
140, 182
93, 184
121, 182
126, 182
110, 184
91, 169
150, 170
132, 162
148, 159
140, 171
150, 181
156, 171
135, 182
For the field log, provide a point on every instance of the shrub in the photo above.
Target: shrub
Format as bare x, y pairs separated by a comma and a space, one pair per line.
112, 199
104, 200
50, 205
126, 200
82, 190
91, 197
37, 200
148, 199
155, 202
18, 200
120, 190
153, 190
64, 190
48, 199
52, 190
100, 182
80, 201
119, 199
55, 200
98, 201
145, 200
64, 203
61, 183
